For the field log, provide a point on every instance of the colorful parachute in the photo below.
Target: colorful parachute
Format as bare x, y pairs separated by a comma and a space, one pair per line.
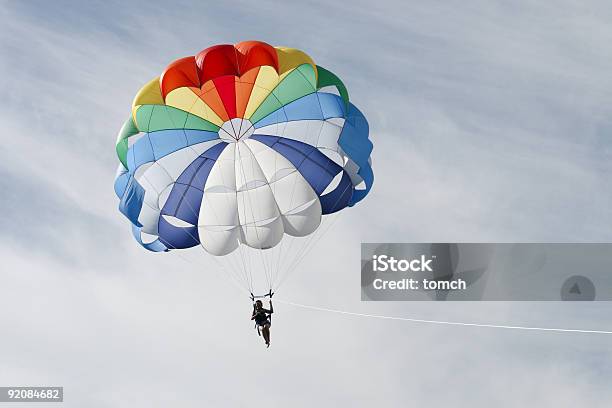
240, 144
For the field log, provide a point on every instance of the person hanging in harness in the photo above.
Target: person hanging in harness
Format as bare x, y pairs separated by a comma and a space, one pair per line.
263, 318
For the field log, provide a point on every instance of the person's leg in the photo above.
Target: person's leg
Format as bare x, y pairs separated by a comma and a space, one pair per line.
266, 333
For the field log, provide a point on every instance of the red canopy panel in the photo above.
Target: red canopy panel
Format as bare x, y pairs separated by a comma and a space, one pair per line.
222, 64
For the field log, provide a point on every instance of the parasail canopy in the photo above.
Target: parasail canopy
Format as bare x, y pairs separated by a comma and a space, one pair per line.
240, 145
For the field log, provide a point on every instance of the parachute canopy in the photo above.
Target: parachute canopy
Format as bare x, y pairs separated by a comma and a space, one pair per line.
240, 144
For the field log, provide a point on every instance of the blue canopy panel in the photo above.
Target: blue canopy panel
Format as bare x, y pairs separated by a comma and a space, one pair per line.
121, 181
316, 168
155, 145
150, 147
355, 143
353, 140
314, 106
185, 200
155, 246
132, 195
131, 201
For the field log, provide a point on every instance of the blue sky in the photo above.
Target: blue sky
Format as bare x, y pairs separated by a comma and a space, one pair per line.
490, 122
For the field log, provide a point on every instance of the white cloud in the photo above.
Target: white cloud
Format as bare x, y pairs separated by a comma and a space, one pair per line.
490, 122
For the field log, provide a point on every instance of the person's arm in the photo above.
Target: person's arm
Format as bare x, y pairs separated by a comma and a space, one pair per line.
254, 313
271, 307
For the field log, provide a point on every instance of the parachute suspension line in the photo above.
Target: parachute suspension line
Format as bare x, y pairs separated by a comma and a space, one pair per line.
313, 241
235, 261
285, 258
230, 272
331, 222
234, 274
278, 263
319, 233
447, 323
248, 275
288, 250
177, 250
279, 249
289, 260
253, 215
245, 270
231, 275
264, 254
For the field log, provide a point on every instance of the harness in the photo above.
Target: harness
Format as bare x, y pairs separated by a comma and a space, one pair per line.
253, 297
